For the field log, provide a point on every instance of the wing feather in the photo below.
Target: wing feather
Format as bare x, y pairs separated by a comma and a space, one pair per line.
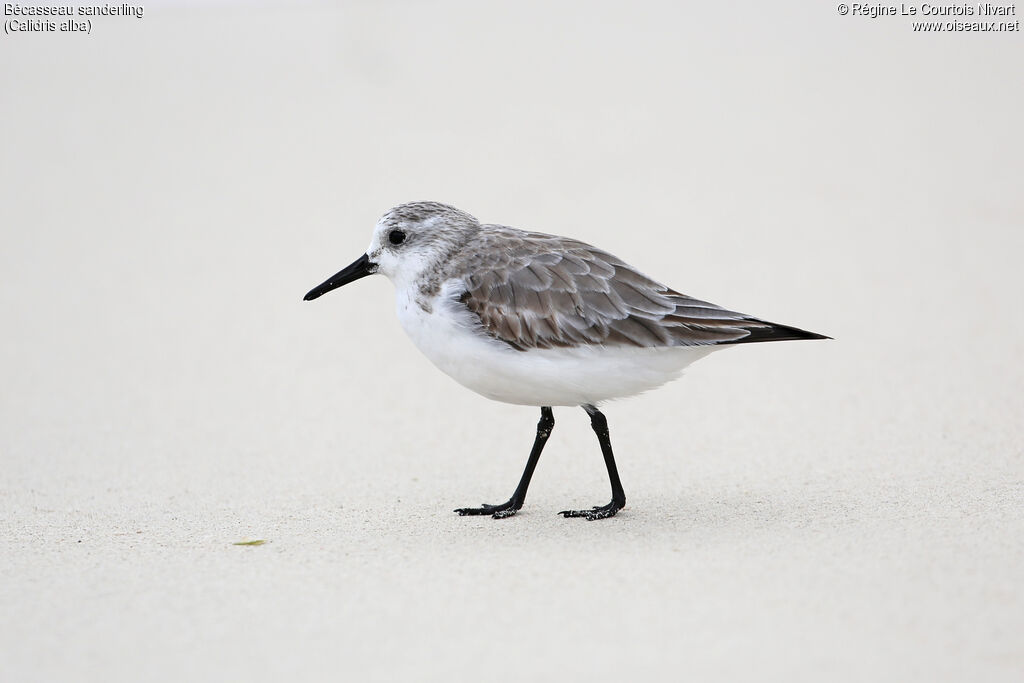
535, 291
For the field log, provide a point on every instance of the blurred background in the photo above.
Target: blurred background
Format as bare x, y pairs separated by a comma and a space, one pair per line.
172, 185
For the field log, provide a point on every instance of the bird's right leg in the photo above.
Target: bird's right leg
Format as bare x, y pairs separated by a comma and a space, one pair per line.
600, 426
510, 507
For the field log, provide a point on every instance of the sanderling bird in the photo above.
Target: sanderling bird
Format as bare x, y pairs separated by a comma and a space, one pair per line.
539, 320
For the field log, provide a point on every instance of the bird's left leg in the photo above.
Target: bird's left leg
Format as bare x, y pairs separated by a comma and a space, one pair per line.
512, 505
600, 427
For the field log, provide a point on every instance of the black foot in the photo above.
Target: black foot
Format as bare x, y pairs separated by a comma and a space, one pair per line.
593, 513
496, 511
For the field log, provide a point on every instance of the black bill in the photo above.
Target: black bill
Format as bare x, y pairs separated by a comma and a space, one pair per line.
360, 268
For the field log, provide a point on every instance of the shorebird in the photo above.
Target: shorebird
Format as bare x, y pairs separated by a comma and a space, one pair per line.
534, 319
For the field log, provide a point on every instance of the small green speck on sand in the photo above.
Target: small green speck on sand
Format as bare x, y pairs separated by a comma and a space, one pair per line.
259, 542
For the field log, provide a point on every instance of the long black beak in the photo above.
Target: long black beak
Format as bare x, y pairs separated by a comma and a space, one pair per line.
360, 268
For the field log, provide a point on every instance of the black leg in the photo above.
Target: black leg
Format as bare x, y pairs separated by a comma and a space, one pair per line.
509, 508
600, 425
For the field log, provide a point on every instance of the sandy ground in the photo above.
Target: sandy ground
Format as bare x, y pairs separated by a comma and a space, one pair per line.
172, 186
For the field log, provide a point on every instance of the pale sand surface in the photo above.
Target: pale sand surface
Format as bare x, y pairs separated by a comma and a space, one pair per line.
846, 510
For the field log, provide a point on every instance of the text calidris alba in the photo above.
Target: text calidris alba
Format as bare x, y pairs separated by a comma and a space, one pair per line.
534, 319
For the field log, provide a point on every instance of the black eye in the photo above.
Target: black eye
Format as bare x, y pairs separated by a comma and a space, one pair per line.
396, 236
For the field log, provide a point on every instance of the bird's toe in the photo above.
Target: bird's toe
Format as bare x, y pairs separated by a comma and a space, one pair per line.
594, 513
496, 511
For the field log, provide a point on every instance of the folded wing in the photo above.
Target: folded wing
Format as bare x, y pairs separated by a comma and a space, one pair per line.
536, 291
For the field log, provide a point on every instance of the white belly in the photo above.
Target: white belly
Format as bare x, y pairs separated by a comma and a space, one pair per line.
539, 377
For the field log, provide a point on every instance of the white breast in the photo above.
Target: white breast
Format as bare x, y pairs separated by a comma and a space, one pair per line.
450, 337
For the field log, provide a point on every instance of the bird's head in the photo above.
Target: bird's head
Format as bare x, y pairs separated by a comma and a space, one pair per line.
407, 241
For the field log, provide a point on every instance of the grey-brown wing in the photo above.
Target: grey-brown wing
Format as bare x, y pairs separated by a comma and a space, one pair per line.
539, 291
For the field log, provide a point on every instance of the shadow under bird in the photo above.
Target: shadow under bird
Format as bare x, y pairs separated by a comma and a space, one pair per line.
540, 320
